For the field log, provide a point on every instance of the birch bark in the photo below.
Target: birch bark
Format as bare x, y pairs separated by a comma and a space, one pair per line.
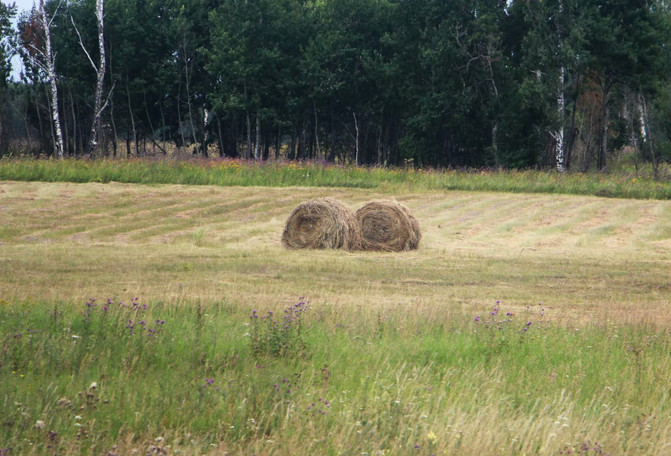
49, 68
559, 134
561, 100
100, 73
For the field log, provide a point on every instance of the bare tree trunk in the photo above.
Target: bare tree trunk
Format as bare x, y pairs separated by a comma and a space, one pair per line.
70, 143
319, 150
188, 104
206, 139
572, 132
302, 143
495, 144
39, 119
249, 138
179, 114
187, 80
221, 138
160, 108
356, 142
115, 135
132, 122
645, 127
495, 127
603, 147
100, 75
146, 111
257, 142
25, 119
558, 135
641, 112
49, 67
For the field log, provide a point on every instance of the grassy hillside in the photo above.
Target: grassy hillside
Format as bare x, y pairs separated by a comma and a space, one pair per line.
524, 324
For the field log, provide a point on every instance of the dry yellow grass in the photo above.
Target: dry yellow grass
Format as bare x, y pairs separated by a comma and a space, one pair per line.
586, 258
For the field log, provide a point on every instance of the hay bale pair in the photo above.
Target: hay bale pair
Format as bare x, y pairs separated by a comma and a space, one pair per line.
326, 223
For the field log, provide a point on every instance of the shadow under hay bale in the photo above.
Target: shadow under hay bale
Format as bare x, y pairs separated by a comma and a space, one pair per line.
388, 226
323, 223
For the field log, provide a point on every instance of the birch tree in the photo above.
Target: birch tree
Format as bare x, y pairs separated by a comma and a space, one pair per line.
7, 12
99, 71
561, 101
47, 63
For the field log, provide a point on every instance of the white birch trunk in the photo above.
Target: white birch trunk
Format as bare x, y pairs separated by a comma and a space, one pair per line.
642, 118
559, 134
645, 126
50, 70
206, 136
98, 107
100, 74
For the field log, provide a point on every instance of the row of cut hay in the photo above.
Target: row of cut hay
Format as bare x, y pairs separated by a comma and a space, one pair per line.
325, 223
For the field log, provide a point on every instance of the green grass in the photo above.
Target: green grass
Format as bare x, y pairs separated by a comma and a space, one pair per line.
390, 340
398, 385
273, 174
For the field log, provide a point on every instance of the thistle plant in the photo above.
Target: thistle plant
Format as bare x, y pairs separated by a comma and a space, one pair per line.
499, 328
279, 336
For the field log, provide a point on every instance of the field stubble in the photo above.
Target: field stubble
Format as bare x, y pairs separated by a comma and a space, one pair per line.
591, 259
427, 378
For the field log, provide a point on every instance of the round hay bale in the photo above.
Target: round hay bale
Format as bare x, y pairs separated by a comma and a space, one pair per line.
388, 226
323, 223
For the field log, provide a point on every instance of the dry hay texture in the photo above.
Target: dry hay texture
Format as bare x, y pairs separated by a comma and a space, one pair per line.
388, 226
323, 223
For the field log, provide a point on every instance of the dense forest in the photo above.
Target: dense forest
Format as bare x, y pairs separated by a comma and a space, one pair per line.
570, 84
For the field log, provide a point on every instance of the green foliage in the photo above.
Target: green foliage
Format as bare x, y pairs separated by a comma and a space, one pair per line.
377, 82
7, 12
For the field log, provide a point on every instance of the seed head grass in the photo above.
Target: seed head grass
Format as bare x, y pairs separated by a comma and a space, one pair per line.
198, 383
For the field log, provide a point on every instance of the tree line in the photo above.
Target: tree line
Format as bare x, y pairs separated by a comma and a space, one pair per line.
571, 84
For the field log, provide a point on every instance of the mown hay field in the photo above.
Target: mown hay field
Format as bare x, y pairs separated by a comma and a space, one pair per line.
587, 257
411, 350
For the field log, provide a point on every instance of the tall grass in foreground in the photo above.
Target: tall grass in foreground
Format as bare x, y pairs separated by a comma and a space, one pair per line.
109, 378
310, 174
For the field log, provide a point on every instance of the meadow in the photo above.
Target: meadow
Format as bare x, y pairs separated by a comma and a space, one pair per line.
167, 319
